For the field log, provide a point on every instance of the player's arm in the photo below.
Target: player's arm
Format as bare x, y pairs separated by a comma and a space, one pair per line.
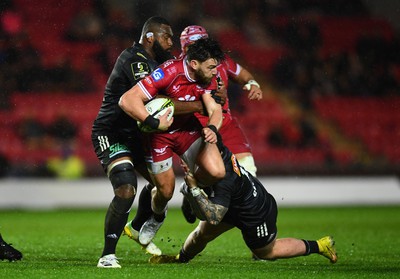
187, 107
213, 213
246, 79
214, 111
183, 107
132, 103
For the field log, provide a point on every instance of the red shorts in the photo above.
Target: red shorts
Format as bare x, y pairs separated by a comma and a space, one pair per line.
162, 146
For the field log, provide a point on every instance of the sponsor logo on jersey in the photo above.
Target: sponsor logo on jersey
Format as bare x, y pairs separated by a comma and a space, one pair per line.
187, 98
158, 74
139, 70
117, 148
175, 88
235, 165
160, 151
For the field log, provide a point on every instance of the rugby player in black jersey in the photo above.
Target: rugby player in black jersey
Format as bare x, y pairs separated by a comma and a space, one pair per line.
116, 138
240, 200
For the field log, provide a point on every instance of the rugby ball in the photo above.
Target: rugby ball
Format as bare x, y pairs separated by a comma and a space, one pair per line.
157, 107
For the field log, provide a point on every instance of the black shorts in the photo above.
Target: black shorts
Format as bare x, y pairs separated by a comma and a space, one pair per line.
109, 147
265, 231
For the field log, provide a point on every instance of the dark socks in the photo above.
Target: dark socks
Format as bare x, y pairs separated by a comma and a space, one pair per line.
144, 208
160, 217
116, 218
311, 246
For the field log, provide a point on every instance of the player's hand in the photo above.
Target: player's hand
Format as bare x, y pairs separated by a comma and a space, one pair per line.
221, 94
164, 122
255, 93
209, 135
189, 178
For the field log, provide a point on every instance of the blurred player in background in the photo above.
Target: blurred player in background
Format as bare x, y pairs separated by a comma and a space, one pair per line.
190, 78
230, 131
116, 138
240, 200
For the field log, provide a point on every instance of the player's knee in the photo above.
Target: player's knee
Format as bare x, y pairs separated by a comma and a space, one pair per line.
166, 191
123, 179
217, 172
247, 162
125, 191
121, 205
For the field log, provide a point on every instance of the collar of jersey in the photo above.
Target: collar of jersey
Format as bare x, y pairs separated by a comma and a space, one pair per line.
185, 68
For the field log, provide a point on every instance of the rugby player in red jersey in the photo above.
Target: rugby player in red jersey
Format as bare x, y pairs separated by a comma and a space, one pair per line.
191, 78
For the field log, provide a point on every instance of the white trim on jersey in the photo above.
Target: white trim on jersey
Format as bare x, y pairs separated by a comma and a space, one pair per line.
144, 90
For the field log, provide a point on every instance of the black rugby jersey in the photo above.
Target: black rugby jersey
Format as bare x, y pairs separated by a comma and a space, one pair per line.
244, 195
132, 65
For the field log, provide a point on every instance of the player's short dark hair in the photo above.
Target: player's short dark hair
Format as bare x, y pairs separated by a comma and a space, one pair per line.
204, 49
153, 24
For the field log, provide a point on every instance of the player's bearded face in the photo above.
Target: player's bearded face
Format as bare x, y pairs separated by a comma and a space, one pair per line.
162, 54
201, 78
205, 73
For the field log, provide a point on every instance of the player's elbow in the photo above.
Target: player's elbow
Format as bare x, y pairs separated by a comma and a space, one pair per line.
213, 222
122, 102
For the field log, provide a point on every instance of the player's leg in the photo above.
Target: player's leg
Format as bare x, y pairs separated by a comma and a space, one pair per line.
143, 213
236, 141
292, 247
246, 160
164, 179
263, 243
199, 238
204, 161
211, 167
117, 158
124, 181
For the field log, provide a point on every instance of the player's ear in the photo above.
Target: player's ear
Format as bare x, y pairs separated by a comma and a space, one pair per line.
149, 37
194, 64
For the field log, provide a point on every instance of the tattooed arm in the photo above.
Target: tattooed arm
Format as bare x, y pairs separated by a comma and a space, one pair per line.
213, 213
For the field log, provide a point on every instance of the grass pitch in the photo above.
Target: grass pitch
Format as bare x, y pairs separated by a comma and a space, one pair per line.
67, 244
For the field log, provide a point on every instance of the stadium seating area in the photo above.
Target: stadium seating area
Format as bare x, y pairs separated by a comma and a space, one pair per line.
372, 121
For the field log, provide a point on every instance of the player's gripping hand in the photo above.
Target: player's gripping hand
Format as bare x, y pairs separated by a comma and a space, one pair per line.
221, 94
209, 135
164, 122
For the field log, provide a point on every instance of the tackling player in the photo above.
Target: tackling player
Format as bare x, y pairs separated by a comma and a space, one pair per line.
240, 200
116, 138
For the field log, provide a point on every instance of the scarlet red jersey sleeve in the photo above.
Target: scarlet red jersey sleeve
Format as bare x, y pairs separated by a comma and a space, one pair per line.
231, 66
157, 81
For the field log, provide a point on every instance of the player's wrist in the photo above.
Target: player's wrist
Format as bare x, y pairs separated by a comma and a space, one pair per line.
250, 83
195, 191
213, 128
151, 122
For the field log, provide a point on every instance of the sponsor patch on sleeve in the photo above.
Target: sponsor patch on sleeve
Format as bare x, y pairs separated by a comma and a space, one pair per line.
140, 70
158, 74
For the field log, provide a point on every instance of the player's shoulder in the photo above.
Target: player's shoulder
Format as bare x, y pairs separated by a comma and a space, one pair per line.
172, 64
169, 69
